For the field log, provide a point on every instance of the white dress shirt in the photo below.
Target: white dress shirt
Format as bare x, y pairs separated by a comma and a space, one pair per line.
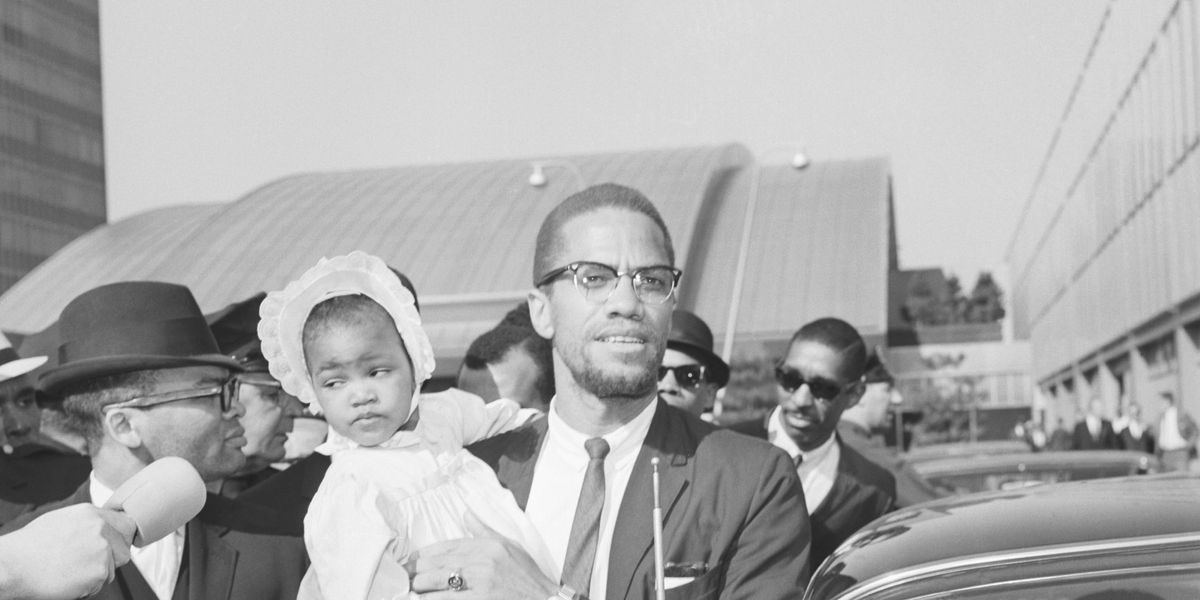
819, 467
157, 562
558, 478
1169, 437
1093, 425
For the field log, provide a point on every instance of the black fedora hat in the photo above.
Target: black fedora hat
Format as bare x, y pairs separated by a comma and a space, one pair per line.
131, 326
691, 335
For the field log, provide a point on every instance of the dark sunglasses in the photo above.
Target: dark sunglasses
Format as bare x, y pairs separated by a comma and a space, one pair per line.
688, 376
790, 380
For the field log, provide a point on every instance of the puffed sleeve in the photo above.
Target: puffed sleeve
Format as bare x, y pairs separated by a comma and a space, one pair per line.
346, 535
479, 420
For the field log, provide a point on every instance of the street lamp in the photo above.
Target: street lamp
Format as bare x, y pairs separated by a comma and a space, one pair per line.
799, 161
538, 178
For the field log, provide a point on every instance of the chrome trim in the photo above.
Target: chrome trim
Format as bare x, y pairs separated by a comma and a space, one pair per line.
978, 561
1066, 578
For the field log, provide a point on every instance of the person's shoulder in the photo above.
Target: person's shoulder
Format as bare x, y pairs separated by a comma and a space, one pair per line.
229, 514
756, 427
864, 469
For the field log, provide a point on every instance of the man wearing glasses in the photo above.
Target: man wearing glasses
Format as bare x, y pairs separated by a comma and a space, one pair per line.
141, 378
733, 518
821, 376
691, 373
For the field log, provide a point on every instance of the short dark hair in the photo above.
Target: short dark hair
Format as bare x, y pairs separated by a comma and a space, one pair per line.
606, 195
83, 402
841, 337
515, 331
351, 309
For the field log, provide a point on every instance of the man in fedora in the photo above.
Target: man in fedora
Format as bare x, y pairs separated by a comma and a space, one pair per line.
141, 378
691, 373
34, 469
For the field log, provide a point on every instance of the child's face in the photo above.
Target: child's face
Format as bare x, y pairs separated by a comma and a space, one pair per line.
363, 380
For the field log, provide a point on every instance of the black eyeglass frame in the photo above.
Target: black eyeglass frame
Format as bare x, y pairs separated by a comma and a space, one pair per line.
225, 392
276, 398
689, 382
820, 390
634, 275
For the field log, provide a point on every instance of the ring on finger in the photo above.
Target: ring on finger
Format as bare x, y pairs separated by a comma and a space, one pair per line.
456, 582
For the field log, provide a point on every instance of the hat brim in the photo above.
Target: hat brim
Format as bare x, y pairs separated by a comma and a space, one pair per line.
716, 367
21, 366
54, 380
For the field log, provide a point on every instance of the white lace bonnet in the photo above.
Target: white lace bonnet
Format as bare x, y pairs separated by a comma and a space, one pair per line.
283, 313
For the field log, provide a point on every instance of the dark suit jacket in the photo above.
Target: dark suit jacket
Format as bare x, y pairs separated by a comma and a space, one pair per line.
910, 489
289, 493
220, 562
862, 492
729, 502
1145, 443
36, 474
1082, 438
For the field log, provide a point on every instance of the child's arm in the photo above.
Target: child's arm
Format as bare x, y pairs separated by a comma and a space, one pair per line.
481, 420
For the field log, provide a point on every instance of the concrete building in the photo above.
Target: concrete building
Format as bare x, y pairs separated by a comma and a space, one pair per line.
1105, 261
814, 242
51, 130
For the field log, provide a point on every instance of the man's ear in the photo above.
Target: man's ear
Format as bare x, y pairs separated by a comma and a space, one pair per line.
118, 424
539, 313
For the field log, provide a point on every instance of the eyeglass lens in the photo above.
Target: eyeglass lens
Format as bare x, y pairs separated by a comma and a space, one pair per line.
791, 380
688, 376
597, 281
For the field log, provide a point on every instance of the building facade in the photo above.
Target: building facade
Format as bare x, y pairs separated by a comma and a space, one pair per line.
1105, 261
51, 130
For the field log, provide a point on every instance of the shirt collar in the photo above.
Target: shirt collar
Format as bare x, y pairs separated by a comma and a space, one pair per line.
624, 441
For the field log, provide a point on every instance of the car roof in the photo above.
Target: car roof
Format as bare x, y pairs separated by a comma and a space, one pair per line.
1034, 460
996, 524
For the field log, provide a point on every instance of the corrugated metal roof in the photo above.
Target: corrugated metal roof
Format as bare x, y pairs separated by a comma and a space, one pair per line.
465, 232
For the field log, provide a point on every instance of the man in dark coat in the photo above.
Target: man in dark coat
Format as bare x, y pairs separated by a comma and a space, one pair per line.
734, 524
142, 378
819, 378
34, 469
1094, 432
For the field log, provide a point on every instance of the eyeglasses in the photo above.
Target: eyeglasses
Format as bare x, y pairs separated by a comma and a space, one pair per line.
225, 392
596, 281
791, 380
688, 376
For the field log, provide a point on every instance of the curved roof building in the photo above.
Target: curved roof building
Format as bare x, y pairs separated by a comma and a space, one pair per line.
819, 240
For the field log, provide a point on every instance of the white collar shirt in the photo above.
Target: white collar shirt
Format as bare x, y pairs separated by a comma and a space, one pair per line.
817, 471
558, 477
1093, 425
157, 562
1169, 437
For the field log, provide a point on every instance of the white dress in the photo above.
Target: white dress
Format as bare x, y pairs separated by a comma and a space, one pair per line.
378, 505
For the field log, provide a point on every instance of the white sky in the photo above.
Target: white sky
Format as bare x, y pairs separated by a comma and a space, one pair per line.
205, 101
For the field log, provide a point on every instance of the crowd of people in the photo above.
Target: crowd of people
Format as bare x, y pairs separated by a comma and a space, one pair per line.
578, 421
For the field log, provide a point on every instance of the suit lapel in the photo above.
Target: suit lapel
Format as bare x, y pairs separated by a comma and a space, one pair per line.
515, 466
633, 535
211, 563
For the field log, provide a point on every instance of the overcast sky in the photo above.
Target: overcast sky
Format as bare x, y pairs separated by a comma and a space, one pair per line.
205, 101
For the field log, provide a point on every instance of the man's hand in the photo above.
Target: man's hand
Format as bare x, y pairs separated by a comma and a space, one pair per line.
491, 568
67, 553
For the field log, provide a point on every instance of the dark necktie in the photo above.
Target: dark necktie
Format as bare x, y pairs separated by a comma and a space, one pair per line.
585, 531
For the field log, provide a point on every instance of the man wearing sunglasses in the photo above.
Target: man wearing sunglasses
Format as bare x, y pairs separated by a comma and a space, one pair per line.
142, 378
733, 520
691, 373
821, 376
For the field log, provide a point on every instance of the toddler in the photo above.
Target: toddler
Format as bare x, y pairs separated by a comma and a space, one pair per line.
346, 338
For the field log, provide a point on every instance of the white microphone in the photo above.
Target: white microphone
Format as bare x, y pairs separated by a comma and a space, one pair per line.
160, 498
